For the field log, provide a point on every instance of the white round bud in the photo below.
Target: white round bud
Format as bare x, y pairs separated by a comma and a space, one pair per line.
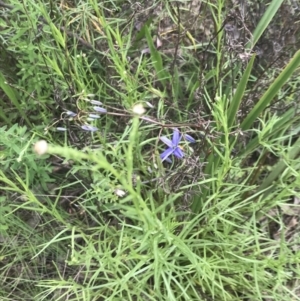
41, 147
120, 192
138, 109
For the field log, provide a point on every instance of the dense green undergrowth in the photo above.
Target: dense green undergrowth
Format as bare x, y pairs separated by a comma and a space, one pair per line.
170, 169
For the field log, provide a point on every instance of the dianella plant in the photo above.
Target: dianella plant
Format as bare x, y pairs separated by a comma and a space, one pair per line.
264, 129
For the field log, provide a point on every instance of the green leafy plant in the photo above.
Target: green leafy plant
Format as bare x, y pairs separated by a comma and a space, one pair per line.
170, 145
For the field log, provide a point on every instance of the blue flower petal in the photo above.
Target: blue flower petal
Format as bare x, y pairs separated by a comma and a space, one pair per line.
94, 116
166, 141
168, 160
89, 128
178, 153
96, 102
189, 138
167, 153
176, 137
70, 113
100, 110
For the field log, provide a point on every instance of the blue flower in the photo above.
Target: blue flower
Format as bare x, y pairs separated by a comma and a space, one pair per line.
189, 138
71, 114
100, 110
96, 102
89, 128
94, 116
173, 146
62, 129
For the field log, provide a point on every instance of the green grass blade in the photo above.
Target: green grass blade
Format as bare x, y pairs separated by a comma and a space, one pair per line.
283, 122
271, 92
238, 96
279, 168
12, 95
264, 22
156, 59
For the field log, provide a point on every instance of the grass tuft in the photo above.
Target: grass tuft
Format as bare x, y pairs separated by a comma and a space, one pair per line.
92, 212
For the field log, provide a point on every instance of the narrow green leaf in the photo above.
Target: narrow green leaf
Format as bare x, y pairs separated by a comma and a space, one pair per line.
54, 65
142, 33
238, 96
272, 91
7, 89
279, 168
12, 95
282, 123
264, 22
156, 59
57, 35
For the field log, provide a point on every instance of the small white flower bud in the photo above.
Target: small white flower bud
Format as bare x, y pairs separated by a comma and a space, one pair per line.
41, 147
138, 109
120, 192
